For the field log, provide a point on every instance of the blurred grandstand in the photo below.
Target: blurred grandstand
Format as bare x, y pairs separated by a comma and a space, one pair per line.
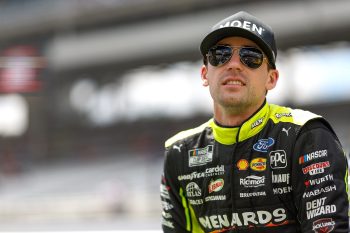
90, 89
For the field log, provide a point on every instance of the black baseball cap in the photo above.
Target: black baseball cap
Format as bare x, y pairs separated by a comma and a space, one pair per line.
244, 25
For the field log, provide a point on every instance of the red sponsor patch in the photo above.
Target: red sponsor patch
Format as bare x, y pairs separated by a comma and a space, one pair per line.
323, 225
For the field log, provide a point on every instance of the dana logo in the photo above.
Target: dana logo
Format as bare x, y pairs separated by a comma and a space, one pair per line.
258, 164
323, 225
242, 164
200, 156
216, 185
193, 190
263, 144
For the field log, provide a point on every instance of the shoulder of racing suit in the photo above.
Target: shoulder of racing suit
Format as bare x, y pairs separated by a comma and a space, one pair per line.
252, 126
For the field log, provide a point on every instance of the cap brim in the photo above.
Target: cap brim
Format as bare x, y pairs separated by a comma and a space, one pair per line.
214, 37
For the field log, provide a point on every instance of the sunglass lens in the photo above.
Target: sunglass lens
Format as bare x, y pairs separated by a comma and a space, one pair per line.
251, 57
219, 55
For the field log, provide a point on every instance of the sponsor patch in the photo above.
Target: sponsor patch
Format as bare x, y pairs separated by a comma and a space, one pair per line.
311, 156
196, 202
323, 225
258, 164
319, 180
263, 144
282, 190
200, 156
278, 159
257, 218
242, 164
244, 24
215, 198
166, 205
216, 185
193, 190
317, 192
316, 168
317, 207
164, 191
252, 194
209, 172
252, 181
257, 123
283, 114
280, 178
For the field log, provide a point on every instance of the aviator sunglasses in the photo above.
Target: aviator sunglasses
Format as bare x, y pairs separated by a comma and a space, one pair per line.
251, 57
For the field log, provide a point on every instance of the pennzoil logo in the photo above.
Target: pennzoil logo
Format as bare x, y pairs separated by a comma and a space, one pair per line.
200, 156
216, 185
242, 164
258, 164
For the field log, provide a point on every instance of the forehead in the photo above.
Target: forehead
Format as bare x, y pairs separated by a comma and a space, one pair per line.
237, 41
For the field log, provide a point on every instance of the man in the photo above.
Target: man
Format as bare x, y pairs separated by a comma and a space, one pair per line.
254, 167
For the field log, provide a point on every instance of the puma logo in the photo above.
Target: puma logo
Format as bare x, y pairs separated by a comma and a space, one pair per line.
286, 130
175, 147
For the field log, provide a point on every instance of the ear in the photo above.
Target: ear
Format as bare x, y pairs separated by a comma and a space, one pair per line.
271, 82
204, 72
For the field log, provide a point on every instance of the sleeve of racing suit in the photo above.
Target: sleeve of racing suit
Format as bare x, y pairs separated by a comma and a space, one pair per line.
173, 203
319, 179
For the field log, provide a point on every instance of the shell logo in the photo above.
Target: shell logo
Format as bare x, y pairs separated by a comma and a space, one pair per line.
258, 164
242, 164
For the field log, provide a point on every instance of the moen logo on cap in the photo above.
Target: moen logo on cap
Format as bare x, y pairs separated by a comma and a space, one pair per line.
245, 24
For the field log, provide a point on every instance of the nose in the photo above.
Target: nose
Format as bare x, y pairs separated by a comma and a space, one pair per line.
235, 61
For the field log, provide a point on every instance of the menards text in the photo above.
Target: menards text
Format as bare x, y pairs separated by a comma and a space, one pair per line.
258, 218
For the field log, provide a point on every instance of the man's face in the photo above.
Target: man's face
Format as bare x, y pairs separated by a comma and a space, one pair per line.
234, 85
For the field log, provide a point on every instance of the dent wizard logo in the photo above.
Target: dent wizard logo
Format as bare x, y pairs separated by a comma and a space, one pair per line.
263, 144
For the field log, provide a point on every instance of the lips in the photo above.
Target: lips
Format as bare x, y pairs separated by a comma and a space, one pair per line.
234, 82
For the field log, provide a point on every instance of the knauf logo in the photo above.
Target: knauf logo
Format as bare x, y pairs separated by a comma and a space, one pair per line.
245, 24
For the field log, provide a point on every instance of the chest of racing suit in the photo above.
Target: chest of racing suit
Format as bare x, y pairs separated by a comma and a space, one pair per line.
282, 170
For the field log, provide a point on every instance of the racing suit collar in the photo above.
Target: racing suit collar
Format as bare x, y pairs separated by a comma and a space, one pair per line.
249, 128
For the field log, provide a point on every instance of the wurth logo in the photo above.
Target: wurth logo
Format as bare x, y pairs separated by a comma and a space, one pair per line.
319, 180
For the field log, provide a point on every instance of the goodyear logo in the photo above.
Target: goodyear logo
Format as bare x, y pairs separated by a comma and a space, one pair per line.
258, 164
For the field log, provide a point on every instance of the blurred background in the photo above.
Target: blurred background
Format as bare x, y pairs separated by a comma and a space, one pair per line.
91, 89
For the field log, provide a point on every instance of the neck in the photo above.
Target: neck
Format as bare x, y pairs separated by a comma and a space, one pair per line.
234, 116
